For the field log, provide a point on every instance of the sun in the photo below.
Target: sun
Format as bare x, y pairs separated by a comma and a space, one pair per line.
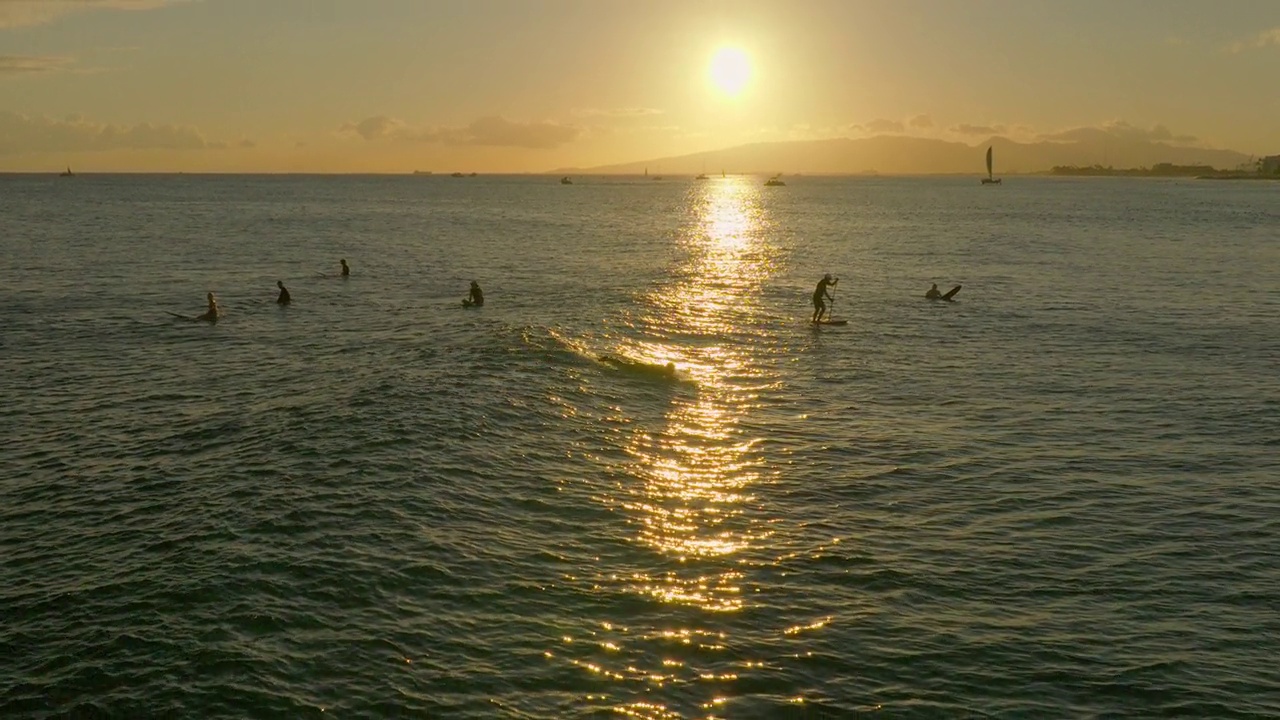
729, 71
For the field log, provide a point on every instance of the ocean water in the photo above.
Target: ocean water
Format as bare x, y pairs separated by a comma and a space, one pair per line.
1054, 498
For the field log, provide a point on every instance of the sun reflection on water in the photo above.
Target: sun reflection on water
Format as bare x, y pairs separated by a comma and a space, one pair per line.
688, 485
696, 474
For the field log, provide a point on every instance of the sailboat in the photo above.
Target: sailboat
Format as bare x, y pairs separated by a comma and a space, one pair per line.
988, 180
67, 173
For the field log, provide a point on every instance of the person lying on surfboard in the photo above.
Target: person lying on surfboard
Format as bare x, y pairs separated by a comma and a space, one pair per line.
475, 297
284, 298
933, 293
820, 307
668, 370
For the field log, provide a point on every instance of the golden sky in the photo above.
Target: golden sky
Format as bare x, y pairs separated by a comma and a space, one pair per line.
530, 85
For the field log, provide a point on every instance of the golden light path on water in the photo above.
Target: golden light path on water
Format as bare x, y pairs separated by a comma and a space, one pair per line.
689, 483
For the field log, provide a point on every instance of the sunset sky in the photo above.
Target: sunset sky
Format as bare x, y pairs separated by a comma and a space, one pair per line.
530, 85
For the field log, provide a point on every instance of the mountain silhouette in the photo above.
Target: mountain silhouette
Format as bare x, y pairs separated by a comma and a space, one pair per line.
905, 155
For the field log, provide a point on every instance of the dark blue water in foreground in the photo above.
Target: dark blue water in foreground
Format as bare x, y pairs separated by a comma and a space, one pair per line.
1055, 498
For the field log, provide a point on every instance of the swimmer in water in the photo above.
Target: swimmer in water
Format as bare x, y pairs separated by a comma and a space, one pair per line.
346, 271
284, 298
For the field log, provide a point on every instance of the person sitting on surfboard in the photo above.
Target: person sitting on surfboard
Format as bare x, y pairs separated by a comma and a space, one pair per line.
476, 296
933, 293
284, 298
211, 315
345, 270
820, 307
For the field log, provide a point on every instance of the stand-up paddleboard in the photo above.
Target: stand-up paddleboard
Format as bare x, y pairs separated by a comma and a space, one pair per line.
467, 303
830, 322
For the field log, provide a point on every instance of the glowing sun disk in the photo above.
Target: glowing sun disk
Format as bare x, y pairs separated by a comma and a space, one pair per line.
730, 70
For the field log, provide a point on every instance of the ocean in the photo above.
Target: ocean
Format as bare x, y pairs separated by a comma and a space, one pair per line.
1056, 497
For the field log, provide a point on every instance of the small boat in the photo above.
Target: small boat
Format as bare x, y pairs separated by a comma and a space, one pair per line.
421, 172
701, 176
989, 180
66, 173
456, 174
565, 180
775, 181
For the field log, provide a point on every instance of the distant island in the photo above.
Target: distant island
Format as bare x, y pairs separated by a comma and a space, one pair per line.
1204, 172
1073, 153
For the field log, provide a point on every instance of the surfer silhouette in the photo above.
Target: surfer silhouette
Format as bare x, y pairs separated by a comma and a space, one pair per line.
211, 315
668, 370
475, 297
933, 293
284, 298
820, 295
346, 271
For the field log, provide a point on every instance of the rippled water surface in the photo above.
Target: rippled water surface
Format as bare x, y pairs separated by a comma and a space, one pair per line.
1056, 497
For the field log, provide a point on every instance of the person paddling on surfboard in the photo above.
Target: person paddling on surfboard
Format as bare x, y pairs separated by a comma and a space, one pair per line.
211, 315
476, 296
668, 370
284, 298
821, 294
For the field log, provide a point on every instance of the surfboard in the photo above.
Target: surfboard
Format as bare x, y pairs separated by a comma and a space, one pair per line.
198, 318
468, 303
951, 293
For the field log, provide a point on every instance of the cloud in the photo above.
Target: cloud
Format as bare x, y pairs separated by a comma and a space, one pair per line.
1261, 40
629, 112
1123, 131
28, 64
20, 13
504, 133
22, 134
374, 128
490, 131
879, 126
922, 122
967, 129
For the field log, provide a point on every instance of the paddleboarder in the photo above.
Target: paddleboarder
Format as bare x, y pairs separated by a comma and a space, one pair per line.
821, 294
